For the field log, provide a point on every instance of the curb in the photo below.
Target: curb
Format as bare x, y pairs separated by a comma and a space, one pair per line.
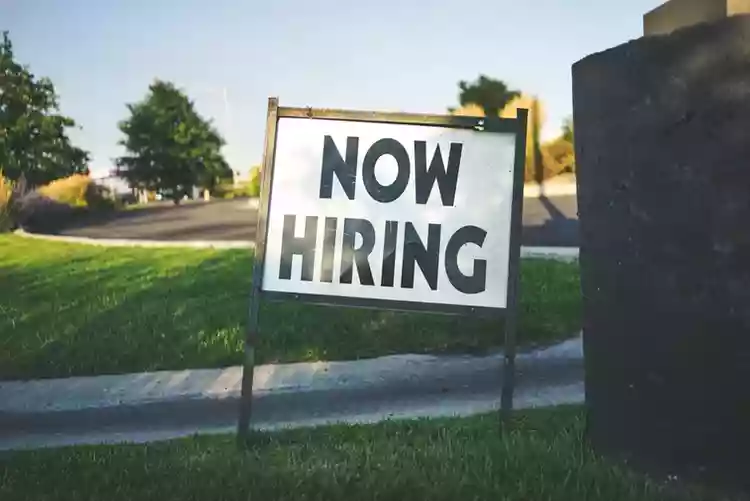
130, 242
558, 253
568, 254
161, 405
559, 189
145, 388
145, 426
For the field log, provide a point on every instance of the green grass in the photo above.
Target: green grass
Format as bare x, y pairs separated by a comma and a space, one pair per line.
543, 457
79, 310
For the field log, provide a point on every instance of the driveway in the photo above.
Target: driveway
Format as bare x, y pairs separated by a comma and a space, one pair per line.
551, 221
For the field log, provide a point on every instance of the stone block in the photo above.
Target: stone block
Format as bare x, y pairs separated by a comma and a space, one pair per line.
676, 14
663, 173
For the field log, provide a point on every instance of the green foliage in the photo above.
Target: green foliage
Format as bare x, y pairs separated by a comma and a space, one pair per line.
33, 138
564, 147
561, 155
243, 190
6, 199
224, 190
250, 188
59, 203
544, 160
70, 190
170, 146
492, 95
78, 190
536, 168
254, 185
567, 133
556, 156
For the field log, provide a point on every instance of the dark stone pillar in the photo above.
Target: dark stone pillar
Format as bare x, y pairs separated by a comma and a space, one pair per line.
662, 128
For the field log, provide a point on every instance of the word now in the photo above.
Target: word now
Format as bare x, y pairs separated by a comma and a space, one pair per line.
415, 253
346, 170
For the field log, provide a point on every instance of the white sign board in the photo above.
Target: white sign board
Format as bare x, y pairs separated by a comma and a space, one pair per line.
369, 211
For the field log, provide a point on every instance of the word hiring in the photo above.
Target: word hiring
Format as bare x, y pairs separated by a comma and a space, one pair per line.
415, 252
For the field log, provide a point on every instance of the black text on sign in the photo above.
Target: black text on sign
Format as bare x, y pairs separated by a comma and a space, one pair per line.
392, 212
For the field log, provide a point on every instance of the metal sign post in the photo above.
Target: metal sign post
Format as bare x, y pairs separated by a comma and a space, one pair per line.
392, 211
514, 264
253, 322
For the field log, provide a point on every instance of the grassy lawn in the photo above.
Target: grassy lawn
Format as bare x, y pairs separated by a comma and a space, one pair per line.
79, 310
543, 457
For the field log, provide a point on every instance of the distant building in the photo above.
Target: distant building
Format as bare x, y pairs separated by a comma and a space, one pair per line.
115, 184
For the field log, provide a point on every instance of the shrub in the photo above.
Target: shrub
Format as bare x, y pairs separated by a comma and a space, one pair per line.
561, 154
60, 203
543, 160
78, 190
70, 190
6, 199
250, 188
37, 213
242, 190
224, 190
254, 185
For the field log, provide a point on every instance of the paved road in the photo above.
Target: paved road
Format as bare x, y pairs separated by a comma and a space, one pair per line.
547, 222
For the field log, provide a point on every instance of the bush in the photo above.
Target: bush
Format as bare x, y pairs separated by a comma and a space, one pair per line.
70, 190
224, 190
37, 213
61, 203
241, 191
6, 200
560, 153
78, 190
100, 198
254, 185
251, 188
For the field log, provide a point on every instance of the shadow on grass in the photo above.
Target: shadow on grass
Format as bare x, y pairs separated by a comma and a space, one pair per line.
85, 310
100, 314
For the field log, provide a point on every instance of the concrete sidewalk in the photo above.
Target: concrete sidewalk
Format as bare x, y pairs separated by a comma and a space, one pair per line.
562, 185
160, 405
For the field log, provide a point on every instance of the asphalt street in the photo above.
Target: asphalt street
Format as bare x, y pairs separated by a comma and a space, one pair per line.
547, 221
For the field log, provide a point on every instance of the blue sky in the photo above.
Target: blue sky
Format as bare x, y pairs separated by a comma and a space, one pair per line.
229, 56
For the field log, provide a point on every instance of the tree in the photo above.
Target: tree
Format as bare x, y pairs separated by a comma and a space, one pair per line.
567, 130
170, 147
490, 94
543, 159
563, 148
33, 139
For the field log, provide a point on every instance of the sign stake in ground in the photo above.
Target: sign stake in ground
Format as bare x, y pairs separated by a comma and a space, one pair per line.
391, 211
